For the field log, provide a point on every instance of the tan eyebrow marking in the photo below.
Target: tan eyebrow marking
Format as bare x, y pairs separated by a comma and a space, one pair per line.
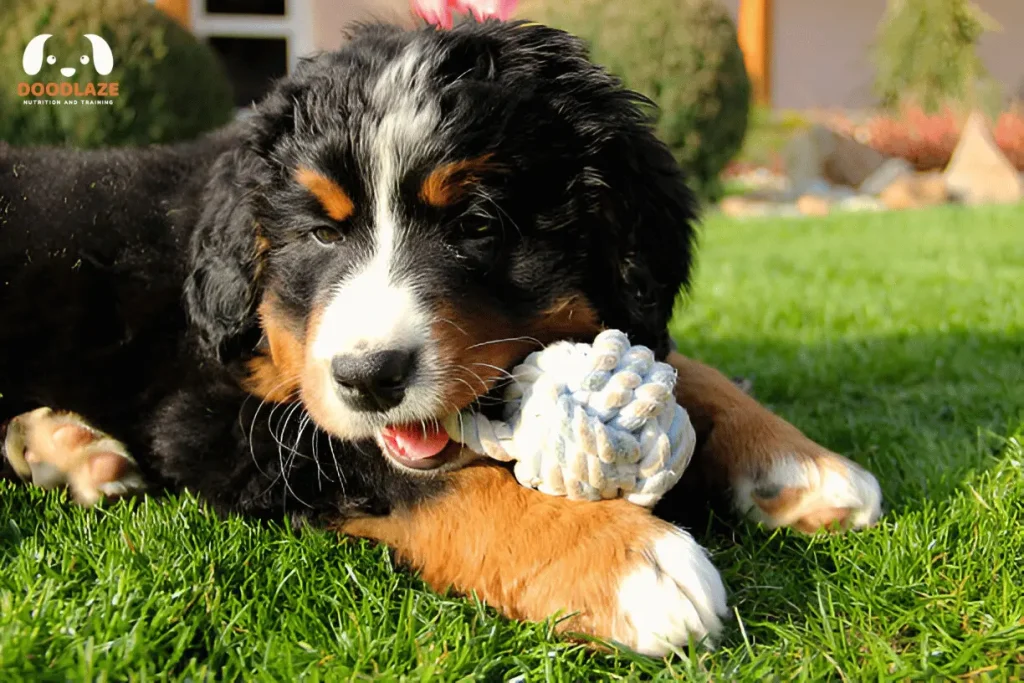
335, 201
451, 182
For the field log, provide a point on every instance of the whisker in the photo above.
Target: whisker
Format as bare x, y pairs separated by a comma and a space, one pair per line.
452, 323
337, 467
478, 378
252, 427
502, 372
533, 340
287, 466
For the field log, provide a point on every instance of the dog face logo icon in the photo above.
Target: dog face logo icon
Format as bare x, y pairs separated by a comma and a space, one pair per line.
35, 55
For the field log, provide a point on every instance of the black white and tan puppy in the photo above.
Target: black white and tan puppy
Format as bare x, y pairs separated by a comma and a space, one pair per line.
277, 317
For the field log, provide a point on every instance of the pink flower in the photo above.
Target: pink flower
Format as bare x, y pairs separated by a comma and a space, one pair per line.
436, 12
439, 12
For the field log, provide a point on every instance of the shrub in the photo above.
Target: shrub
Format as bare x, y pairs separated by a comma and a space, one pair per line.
171, 86
684, 56
926, 53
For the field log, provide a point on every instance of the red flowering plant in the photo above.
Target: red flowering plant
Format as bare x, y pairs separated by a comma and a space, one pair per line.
927, 140
440, 12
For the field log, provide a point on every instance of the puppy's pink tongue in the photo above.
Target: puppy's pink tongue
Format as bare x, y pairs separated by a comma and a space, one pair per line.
413, 442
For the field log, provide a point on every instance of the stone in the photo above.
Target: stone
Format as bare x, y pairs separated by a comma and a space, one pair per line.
839, 193
979, 172
786, 210
819, 187
813, 205
820, 153
744, 207
885, 175
915, 191
860, 203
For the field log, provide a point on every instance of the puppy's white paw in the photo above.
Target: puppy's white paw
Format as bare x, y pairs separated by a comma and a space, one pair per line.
673, 594
810, 492
51, 449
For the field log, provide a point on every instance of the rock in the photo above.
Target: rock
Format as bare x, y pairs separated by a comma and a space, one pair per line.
823, 154
840, 193
915, 191
979, 172
813, 205
786, 210
860, 203
885, 175
819, 187
744, 207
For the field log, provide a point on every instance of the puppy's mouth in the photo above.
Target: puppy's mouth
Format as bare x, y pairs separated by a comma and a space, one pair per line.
421, 447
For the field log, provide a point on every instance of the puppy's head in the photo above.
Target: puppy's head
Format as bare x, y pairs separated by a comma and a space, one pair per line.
428, 207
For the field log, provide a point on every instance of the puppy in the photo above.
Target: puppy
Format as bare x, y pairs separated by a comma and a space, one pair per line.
278, 317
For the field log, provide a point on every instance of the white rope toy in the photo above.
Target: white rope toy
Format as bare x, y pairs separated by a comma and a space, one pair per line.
588, 421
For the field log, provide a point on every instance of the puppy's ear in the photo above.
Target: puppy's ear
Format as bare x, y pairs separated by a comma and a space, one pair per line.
275, 115
222, 288
227, 250
650, 216
640, 212
469, 57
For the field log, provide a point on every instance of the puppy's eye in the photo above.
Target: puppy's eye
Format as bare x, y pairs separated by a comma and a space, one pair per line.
52, 59
327, 235
84, 59
477, 230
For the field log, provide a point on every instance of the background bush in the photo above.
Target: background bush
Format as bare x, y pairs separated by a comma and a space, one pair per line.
172, 86
926, 54
927, 140
684, 55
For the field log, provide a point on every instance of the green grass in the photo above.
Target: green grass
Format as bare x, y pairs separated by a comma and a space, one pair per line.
897, 339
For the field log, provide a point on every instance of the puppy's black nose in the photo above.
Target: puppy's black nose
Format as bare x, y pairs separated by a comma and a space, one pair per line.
373, 381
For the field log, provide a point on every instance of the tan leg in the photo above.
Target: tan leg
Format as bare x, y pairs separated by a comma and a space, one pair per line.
612, 568
774, 474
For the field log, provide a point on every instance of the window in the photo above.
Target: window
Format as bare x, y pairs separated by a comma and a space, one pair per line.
270, 7
257, 40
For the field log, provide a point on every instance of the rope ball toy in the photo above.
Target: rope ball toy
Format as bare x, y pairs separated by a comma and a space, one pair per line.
588, 421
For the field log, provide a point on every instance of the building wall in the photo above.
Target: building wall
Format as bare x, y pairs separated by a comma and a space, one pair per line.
822, 50
331, 17
1003, 51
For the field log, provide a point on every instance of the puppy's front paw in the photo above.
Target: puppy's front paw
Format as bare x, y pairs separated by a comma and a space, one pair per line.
51, 449
607, 569
672, 594
802, 485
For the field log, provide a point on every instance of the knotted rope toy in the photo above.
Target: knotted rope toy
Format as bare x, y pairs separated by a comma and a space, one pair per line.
588, 421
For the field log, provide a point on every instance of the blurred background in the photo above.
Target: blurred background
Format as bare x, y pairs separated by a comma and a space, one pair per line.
775, 107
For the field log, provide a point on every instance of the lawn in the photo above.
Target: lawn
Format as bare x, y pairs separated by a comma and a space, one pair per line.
897, 339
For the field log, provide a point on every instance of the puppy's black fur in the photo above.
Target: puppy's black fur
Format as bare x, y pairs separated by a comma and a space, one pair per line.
130, 279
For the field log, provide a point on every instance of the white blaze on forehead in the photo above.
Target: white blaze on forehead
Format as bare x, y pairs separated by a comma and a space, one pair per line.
374, 307
369, 312
404, 134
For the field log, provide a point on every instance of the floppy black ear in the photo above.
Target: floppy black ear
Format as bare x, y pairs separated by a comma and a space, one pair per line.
651, 215
221, 289
641, 214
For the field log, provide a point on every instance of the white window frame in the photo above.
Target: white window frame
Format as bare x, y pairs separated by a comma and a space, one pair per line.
295, 27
